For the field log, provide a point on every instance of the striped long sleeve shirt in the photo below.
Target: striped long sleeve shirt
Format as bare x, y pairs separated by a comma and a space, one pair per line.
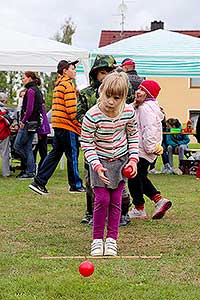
64, 106
109, 138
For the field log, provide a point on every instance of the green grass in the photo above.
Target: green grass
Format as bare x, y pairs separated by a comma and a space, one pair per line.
33, 226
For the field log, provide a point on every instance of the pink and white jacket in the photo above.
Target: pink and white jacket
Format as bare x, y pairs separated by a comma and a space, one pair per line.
149, 117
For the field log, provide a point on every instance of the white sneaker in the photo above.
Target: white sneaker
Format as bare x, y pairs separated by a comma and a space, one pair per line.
137, 214
177, 171
110, 247
160, 208
97, 247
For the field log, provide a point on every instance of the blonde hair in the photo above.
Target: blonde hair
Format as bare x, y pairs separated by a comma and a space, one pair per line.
114, 84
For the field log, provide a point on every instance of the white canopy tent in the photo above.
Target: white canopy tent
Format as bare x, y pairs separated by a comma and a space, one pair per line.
158, 53
22, 52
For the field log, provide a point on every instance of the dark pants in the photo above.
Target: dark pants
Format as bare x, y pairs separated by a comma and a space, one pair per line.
64, 141
41, 146
89, 190
141, 185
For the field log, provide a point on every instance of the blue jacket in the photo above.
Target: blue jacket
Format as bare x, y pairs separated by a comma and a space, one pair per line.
177, 139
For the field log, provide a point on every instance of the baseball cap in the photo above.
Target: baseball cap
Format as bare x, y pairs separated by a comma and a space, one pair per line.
128, 61
63, 64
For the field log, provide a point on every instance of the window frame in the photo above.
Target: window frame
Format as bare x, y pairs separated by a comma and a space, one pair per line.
195, 86
194, 116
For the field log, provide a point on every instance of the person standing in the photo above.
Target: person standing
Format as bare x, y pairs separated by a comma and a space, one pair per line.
29, 123
102, 66
109, 140
42, 133
66, 132
149, 118
128, 66
5, 123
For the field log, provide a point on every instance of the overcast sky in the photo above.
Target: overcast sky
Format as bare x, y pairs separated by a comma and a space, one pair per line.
45, 17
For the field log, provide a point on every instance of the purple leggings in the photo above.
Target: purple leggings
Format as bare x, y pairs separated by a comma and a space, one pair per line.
107, 203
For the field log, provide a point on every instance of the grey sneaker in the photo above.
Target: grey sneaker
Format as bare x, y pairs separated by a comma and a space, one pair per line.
26, 176
110, 247
167, 169
154, 171
124, 220
160, 208
97, 247
137, 214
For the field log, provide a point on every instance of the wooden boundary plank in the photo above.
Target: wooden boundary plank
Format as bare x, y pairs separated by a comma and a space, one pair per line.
104, 257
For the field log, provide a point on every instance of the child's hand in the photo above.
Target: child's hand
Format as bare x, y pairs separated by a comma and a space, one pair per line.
133, 165
100, 172
158, 150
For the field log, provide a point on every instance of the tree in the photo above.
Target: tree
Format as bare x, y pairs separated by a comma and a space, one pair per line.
10, 82
67, 31
3, 81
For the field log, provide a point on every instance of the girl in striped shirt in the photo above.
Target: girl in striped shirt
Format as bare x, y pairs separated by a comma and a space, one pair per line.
109, 140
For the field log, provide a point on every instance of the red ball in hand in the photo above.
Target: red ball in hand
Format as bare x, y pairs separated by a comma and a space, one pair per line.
86, 268
126, 172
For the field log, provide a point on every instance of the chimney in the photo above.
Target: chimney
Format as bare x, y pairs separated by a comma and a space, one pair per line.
157, 25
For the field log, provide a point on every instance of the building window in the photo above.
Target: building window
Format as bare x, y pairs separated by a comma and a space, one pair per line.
194, 82
193, 116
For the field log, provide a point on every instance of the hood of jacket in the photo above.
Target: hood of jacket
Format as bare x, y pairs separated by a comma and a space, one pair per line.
101, 61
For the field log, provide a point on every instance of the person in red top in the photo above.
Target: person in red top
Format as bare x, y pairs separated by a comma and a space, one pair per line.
66, 132
5, 122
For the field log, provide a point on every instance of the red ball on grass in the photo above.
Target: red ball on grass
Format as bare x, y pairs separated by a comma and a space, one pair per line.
86, 268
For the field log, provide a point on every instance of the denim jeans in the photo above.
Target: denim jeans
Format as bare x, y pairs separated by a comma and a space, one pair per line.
23, 146
64, 141
181, 151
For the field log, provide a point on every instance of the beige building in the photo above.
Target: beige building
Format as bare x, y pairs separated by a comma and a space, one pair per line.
180, 97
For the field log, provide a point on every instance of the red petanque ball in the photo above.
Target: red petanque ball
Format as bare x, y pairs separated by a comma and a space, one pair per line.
126, 172
86, 268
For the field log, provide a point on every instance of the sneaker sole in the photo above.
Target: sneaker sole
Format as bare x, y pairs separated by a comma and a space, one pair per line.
138, 218
26, 178
96, 254
107, 253
84, 222
162, 211
33, 188
76, 192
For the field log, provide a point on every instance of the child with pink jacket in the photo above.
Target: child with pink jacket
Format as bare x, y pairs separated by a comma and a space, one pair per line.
149, 117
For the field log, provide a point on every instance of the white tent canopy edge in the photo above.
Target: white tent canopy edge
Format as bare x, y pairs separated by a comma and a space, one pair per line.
22, 52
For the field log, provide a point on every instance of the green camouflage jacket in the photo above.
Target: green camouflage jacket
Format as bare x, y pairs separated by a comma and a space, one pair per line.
89, 95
